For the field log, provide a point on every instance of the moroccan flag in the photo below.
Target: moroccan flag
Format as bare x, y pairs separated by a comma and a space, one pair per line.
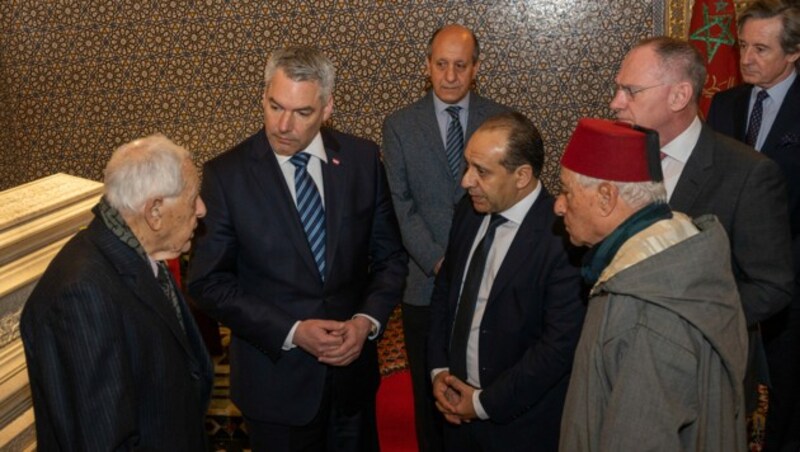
713, 32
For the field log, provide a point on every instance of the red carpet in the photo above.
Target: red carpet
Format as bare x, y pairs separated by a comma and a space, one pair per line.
395, 413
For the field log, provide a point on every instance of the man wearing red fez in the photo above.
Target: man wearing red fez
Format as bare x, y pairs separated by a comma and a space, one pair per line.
658, 87
506, 310
662, 354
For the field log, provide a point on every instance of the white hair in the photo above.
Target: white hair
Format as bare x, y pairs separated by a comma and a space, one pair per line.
635, 194
143, 169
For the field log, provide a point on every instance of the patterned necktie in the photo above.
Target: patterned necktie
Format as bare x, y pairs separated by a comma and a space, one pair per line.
469, 297
455, 140
309, 206
170, 291
754, 125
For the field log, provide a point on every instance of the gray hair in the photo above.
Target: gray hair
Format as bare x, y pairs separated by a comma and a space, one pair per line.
635, 194
144, 169
302, 64
680, 58
790, 19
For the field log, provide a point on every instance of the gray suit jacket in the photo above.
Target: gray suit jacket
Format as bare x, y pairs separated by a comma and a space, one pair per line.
424, 190
747, 192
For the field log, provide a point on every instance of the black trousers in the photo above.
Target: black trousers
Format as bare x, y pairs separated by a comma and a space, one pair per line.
331, 430
428, 420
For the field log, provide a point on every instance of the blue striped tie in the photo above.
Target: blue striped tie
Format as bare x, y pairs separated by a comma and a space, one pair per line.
455, 140
309, 206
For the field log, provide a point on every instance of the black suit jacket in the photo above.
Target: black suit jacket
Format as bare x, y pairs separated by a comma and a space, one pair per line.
747, 192
109, 366
253, 271
530, 326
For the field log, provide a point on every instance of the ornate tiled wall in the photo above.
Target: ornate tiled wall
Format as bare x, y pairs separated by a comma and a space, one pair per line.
78, 78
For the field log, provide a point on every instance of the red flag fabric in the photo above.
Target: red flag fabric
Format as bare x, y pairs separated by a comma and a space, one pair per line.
713, 31
174, 266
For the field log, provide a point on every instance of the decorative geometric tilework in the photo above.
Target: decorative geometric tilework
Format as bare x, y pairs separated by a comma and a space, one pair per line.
77, 79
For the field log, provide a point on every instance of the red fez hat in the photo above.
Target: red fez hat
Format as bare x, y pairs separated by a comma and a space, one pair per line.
613, 151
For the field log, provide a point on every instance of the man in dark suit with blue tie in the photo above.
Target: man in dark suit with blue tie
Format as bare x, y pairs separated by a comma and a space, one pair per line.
301, 257
423, 146
764, 113
114, 357
506, 311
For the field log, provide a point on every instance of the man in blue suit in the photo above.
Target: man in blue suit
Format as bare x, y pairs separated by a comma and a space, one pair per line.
114, 357
764, 112
506, 311
301, 258
423, 150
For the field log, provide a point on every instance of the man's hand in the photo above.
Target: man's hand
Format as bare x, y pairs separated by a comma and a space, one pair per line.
463, 408
353, 334
446, 398
319, 336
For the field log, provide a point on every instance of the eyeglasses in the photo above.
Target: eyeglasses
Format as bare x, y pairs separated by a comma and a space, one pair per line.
631, 91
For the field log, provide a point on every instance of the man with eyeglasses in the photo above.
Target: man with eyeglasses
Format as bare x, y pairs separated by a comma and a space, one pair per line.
658, 87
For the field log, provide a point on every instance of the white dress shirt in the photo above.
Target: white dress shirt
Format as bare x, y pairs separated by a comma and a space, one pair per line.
314, 169
677, 153
504, 236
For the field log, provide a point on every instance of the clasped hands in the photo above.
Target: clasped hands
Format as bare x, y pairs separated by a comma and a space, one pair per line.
331, 341
453, 398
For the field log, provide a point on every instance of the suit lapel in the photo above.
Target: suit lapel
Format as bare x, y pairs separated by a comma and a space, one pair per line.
696, 172
523, 248
477, 114
137, 274
472, 223
787, 118
740, 106
333, 177
264, 169
428, 125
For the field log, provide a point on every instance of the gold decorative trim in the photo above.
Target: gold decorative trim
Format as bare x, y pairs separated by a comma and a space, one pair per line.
678, 15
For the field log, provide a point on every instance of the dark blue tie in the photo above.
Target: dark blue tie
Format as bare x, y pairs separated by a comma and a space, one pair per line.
309, 206
754, 126
455, 140
468, 299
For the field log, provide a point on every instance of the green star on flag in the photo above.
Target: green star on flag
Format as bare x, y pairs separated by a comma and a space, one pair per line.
706, 32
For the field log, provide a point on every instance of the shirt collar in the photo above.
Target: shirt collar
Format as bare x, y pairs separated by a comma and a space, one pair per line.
441, 106
681, 147
778, 92
516, 213
315, 148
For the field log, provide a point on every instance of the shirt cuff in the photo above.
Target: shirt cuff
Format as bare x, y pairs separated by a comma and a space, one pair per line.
437, 371
288, 343
376, 325
476, 404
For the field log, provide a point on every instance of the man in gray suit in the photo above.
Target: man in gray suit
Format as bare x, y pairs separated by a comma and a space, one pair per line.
423, 151
658, 86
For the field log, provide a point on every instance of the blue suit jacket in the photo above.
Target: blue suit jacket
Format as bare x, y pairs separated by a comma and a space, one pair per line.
530, 327
253, 271
109, 366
